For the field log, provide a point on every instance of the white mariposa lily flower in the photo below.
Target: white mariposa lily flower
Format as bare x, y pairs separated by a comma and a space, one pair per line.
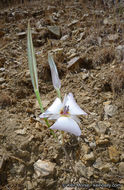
66, 113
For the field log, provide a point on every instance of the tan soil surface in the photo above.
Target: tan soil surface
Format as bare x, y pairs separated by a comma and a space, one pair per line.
93, 34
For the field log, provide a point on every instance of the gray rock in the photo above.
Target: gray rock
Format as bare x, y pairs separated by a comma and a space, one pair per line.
100, 127
122, 157
97, 163
121, 168
85, 75
24, 155
80, 168
29, 185
102, 140
92, 145
103, 125
110, 110
122, 183
65, 37
21, 131
113, 154
120, 53
2, 80
55, 30
113, 37
89, 172
2, 69
44, 168
25, 144
107, 21
85, 149
89, 158
105, 167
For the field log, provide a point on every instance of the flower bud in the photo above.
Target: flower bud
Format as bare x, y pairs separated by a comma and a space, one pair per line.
54, 73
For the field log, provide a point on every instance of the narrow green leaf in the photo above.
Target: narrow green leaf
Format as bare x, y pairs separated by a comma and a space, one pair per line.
32, 66
32, 60
33, 72
39, 100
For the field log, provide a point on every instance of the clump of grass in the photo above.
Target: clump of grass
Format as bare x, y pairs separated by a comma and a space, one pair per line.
117, 82
114, 81
104, 56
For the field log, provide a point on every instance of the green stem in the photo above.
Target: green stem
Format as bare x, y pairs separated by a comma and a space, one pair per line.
58, 93
39, 100
42, 110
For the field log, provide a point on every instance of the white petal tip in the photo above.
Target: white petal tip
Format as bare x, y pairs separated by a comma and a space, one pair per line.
41, 116
78, 134
68, 125
84, 113
44, 115
74, 133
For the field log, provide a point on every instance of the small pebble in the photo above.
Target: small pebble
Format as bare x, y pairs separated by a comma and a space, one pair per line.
113, 154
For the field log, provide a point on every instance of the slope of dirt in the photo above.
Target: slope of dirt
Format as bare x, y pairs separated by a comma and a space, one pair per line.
92, 33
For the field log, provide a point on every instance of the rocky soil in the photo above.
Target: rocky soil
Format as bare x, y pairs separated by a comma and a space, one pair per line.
87, 41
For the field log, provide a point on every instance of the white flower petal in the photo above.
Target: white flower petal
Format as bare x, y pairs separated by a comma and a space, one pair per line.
45, 115
67, 124
74, 109
49, 115
74, 117
54, 116
55, 107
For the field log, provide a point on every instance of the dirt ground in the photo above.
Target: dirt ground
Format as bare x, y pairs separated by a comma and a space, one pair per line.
88, 47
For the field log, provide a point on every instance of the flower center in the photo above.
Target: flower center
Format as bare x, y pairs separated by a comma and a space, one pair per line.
65, 111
